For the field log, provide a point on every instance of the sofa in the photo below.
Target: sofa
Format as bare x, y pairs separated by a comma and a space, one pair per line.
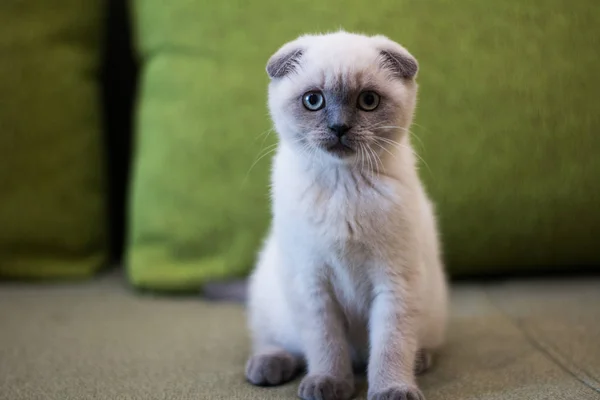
134, 161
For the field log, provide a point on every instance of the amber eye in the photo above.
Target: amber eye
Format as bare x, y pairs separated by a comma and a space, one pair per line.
368, 101
313, 101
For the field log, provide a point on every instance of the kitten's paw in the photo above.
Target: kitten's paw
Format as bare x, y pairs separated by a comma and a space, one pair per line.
400, 392
423, 361
325, 387
271, 369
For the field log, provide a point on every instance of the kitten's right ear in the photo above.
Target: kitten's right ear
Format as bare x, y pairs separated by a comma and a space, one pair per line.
285, 61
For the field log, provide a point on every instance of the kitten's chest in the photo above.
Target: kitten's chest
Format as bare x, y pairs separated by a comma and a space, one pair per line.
352, 287
350, 210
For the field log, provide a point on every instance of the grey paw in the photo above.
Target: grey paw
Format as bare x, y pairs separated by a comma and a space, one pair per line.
271, 368
402, 392
325, 387
423, 361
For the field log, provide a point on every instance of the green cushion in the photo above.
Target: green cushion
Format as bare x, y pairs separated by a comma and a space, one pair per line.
52, 208
507, 126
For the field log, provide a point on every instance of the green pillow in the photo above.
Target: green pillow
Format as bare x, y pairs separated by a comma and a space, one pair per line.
507, 126
52, 202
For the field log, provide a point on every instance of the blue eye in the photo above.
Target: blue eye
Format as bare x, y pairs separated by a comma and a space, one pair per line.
368, 101
313, 101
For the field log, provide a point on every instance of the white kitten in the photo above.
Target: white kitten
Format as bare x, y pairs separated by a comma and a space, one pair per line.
350, 273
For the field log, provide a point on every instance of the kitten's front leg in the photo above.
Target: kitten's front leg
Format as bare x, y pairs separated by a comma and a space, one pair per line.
330, 375
393, 347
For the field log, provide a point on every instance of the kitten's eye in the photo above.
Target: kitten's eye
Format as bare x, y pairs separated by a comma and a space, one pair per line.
313, 101
368, 101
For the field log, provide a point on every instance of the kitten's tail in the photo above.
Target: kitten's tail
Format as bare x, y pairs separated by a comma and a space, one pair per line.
230, 291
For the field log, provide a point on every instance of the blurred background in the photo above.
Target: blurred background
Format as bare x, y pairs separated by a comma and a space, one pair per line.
134, 138
152, 117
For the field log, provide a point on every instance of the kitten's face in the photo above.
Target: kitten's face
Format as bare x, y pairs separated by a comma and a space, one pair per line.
343, 96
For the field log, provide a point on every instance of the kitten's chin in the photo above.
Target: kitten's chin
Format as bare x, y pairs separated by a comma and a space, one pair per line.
337, 153
339, 150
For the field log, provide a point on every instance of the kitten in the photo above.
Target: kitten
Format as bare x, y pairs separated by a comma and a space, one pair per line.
350, 273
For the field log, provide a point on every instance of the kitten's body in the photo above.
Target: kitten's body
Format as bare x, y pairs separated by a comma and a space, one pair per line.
350, 273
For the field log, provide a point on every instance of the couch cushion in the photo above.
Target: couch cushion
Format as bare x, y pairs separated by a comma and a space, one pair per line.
507, 126
513, 340
52, 186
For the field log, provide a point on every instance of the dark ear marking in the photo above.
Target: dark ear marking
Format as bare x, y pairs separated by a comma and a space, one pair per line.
280, 65
401, 65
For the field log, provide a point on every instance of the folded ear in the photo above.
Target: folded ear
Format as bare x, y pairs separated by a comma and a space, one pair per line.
284, 61
401, 65
396, 58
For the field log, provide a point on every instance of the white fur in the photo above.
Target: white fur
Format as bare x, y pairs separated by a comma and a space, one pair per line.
350, 257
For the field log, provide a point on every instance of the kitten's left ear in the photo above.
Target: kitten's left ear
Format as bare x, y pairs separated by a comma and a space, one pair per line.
396, 58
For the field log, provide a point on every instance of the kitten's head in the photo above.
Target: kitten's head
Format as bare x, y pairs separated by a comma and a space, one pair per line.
342, 95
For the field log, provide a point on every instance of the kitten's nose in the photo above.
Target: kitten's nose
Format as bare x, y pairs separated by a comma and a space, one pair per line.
339, 129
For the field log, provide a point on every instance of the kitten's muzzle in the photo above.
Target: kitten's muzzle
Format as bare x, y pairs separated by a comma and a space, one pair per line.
339, 142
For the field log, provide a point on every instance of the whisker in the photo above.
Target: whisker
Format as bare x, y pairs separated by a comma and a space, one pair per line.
265, 133
368, 159
262, 153
394, 143
422, 145
385, 149
362, 157
378, 123
271, 150
377, 160
413, 134
315, 155
420, 126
